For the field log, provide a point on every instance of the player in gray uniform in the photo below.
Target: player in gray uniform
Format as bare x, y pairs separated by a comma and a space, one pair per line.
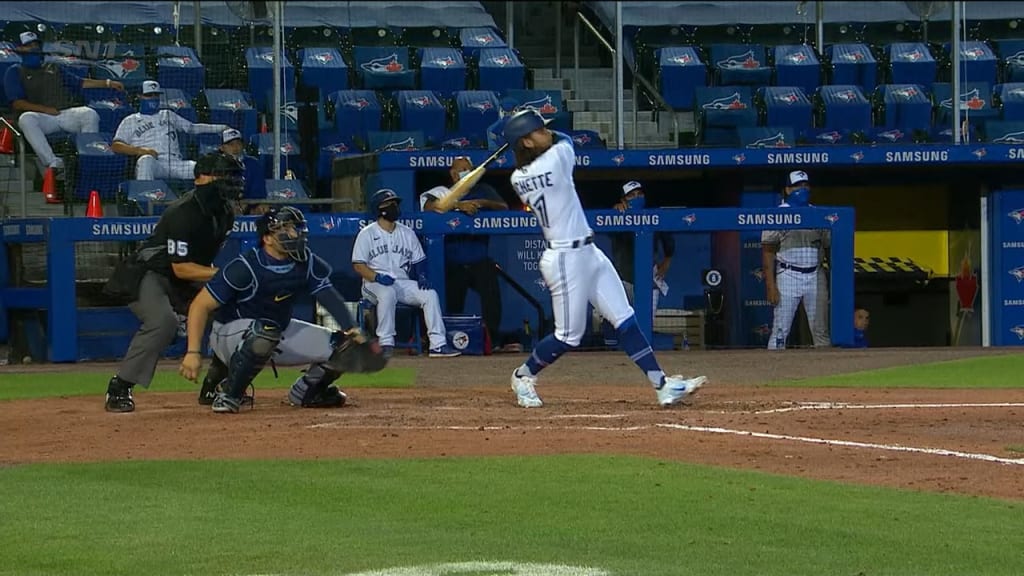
790, 259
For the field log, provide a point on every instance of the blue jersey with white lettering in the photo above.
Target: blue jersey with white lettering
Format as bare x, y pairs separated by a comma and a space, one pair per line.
258, 286
547, 187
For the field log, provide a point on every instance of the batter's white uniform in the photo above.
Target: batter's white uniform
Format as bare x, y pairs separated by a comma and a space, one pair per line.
575, 270
160, 132
393, 253
796, 277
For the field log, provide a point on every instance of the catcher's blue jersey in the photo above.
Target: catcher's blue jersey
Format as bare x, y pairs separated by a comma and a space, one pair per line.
257, 286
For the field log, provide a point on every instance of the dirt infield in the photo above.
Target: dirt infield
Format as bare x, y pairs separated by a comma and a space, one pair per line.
963, 441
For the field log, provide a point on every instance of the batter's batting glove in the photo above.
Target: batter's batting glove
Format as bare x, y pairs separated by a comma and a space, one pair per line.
383, 279
423, 282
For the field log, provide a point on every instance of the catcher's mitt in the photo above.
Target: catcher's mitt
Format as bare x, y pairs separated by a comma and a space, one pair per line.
357, 353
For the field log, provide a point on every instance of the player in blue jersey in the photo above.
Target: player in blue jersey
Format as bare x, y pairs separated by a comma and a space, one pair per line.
574, 269
251, 299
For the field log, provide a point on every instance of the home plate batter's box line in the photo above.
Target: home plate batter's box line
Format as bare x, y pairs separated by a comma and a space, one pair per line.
703, 429
844, 406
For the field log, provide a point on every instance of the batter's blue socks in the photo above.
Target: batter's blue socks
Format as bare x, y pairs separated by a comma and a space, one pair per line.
634, 343
547, 351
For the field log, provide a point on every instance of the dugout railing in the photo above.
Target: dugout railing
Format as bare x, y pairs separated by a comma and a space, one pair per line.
56, 290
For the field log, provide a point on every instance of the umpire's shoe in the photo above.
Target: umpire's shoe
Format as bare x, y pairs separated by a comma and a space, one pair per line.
119, 396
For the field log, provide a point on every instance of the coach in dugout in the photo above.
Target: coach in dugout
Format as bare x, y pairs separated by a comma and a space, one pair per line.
161, 279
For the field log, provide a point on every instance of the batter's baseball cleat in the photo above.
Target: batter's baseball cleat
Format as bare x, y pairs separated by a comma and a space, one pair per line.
676, 388
445, 351
224, 404
526, 393
119, 396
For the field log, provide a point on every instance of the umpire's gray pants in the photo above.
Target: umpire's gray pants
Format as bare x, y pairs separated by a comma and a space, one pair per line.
158, 331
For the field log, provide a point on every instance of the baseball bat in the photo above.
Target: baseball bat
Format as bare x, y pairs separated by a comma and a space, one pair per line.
466, 183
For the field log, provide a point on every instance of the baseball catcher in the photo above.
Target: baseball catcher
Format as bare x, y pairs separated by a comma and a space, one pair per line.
252, 298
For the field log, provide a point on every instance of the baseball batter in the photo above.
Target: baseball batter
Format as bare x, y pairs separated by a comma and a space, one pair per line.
575, 270
151, 134
790, 259
388, 256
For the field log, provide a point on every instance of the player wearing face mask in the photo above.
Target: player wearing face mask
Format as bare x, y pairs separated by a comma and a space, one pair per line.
43, 95
389, 258
151, 135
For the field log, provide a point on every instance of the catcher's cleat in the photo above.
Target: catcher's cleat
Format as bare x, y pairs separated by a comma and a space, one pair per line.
676, 388
224, 404
330, 397
119, 396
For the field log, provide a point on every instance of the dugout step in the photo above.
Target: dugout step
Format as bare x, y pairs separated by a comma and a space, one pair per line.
890, 267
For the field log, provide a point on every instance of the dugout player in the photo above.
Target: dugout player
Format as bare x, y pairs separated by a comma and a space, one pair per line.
176, 258
574, 269
790, 259
251, 300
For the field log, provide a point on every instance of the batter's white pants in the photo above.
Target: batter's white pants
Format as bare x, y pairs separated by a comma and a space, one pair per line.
407, 292
301, 343
36, 125
150, 168
577, 277
794, 287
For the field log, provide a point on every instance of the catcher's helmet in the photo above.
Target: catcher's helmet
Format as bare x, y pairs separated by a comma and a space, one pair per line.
381, 196
276, 221
522, 123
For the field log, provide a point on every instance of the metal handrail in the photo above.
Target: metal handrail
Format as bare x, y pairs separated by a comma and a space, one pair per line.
576, 63
652, 92
21, 165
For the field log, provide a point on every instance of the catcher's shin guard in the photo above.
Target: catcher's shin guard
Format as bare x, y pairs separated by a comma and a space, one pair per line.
258, 346
212, 384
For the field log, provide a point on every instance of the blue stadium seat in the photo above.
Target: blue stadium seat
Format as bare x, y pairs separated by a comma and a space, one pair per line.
1011, 54
178, 67
500, 70
680, 71
845, 108
911, 63
332, 145
125, 64
978, 62
442, 70
787, 106
146, 197
1011, 100
177, 100
975, 103
797, 65
290, 190
69, 56
8, 58
99, 168
853, 64
111, 105
472, 40
231, 107
259, 61
719, 110
766, 136
907, 107
395, 141
944, 134
829, 137
356, 114
383, 68
290, 153
547, 102
740, 65
422, 111
460, 141
475, 110
323, 68
1003, 132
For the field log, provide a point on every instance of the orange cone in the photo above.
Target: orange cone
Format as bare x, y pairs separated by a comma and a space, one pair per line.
50, 187
6, 141
94, 210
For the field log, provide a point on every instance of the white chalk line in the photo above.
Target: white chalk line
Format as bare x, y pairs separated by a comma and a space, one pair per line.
706, 430
845, 406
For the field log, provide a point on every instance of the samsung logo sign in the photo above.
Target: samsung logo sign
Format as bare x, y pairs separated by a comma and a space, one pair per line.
767, 219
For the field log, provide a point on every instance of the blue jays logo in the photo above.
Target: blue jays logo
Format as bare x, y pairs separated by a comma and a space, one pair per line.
972, 53
153, 194
745, 61
1019, 331
179, 61
905, 92
482, 105
119, 68
581, 139
1016, 59
100, 146
501, 160
796, 57
787, 98
459, 143
832, 218
323, 57
730, 102
339, 148
327, 223
290, 110
1018, 273
267, 57
971, 100
1017, 215
503, 60
6, 53
1011, 138
283, 193
483, 39
618, 159
407, 144
690, 218
681, 59
894, 135
1016, 92
830, 137
758, 273
419, 101
175, 103
287, 148
979, 153
542, 105
912, 56
739, 158
359, 103
453, 223
444, 62
385, 64
857, 156
776, 141
852, 56
233, 105
105, 104
540, 283
846, 95
763, 331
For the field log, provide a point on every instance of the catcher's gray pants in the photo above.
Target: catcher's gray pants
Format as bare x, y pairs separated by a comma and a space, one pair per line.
158, 331
301, 343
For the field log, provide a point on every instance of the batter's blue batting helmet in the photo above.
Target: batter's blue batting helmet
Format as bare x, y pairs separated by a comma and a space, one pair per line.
522, 123
381, 196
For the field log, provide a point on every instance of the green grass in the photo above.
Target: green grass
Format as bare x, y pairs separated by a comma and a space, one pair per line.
986, 372
629, 516
44, 385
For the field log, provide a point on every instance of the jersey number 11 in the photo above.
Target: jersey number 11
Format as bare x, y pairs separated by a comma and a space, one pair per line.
541, 209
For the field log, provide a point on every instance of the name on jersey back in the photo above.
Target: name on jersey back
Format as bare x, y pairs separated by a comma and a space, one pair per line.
532, 183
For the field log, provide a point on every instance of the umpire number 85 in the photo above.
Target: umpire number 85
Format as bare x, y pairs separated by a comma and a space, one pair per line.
177, 247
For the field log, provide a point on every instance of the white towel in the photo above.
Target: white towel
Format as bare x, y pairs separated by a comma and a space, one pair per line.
659, 283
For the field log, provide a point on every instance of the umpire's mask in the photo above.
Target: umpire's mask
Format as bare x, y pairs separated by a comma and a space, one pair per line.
288, 227
228, 183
